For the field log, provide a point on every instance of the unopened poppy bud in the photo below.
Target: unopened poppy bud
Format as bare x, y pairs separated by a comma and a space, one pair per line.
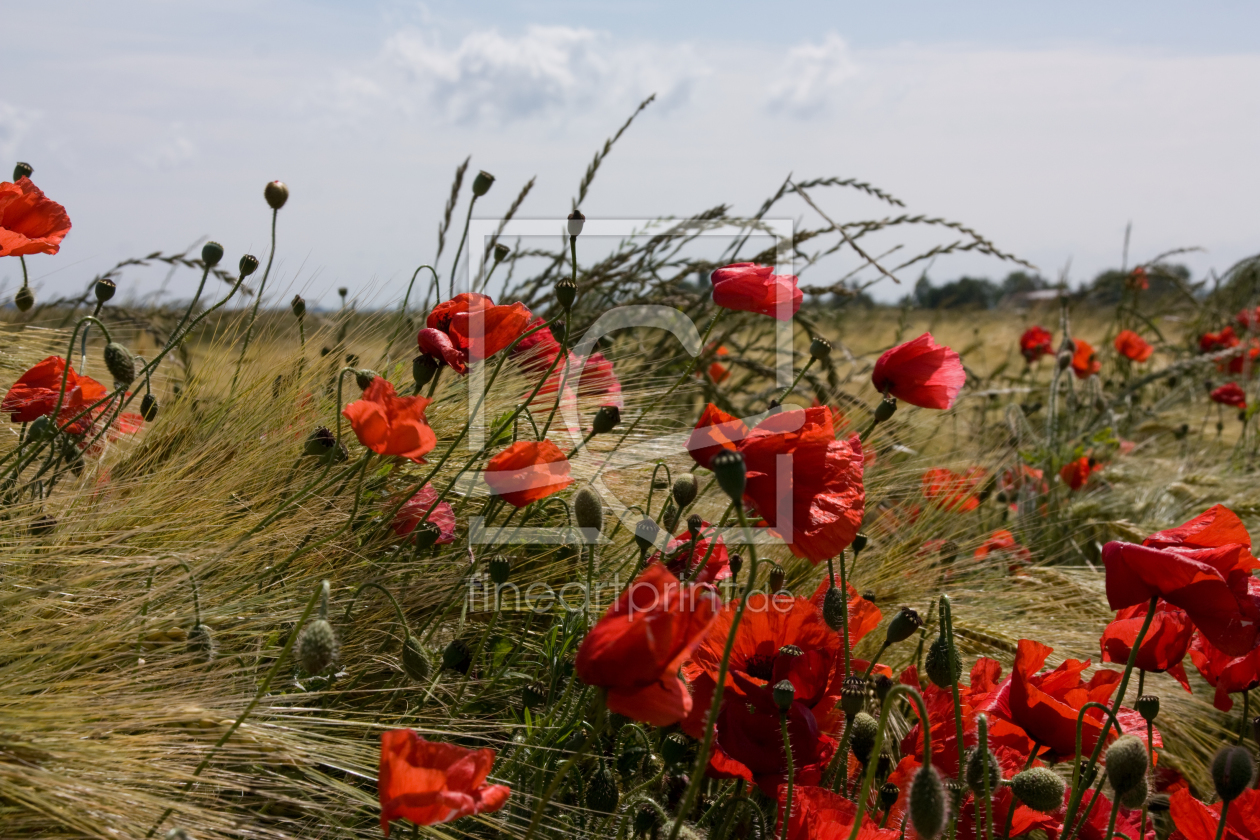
731, 474
481, 184
1126, 763
456, 656
247, 265
606, 419
149, 408
588, 510
1232, 769
104, 289
500, 569
853, 694
1136, 796
1040, 788
22, 170
1064, 359
120, 363
602, 794
888, 796
24, 299
820, 349
211, 253
684, 490
778, 577
422, 370
318, 647
834, 608
784, 695
865, 731
694, 525
647, 819
426, 535
948, 552
929, 808
903, 625
298, 305
1148, 707
886, 409
675, 749
276, 194
39, 428
938, 663
321, 444
201, 642
576, 221
975, 772
882, 683
415, 661
566, 293
500, 252
363, 378
736, 563
859, 544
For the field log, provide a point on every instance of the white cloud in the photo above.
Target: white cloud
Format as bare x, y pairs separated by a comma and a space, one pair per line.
14, 124
170, 150
810, 76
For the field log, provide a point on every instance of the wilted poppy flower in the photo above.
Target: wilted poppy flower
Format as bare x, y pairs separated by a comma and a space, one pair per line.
1231, 394
920, 372
1215, 342
635, 650
1195, 820
34, 395
682, 558
415, 508
1035, 343
953, 491
1163, 647
1003, 542
429, 782
1075, 474
748, 287
527, 471
30, 223
819, 814
1084, 361
1227, 674
1204, 567
1132, 346
389, 424
469, 327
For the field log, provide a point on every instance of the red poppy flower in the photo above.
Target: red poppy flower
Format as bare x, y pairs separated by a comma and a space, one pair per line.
864, 616
1022, 478
635, 650
1004, 542
469, 327
527, 471
1195, 820
718, 372
1231, 394
920, 372
1075, 474
389, 424
1023, 821
1163, 647
34, 395
538, 350
1094, 827
429, 782
953, 491
30, 223
748, 287
1215, 342
1248, 319
1227, 674
415, 508
1247, 359
1204, 567
680, 557
1137, 279
599, 380
819, 814
1035, 343
1084, 361
714, 431
1132, 346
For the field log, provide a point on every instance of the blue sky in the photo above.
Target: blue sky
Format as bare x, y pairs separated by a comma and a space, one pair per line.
1048, 127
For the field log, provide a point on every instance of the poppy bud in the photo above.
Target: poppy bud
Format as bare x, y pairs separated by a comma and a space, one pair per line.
606, 419
1148, 707
576, 221
415, 661
104, 289
322, 444
22, 170
481, 184
500, 252
24, 299
694, 525
363, 378
929, 810
1065, 359
669, 518
1220, 427
1232, 769
736, 563
422, 370
566, 293
648, 818
201, 642
588, 510
602, 793
937, 663
247, 266
859, 544
211, 253
317, 647
886, 408
975, 772
500, 569
888, 796
865, 730
883, 684
684, 490
852, 694
820, 349
903, 625
784, 695
778, 577
731, 474
676, 749
426, 535
38, 428
1040, 788
276, 194
456, 656
1136, 796
149, 408
298, 305
120, 363
948, 552
834, 608
1126, 763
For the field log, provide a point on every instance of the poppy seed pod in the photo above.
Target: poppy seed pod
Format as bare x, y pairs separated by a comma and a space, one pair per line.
1126, 763
1064, 359
318, 647
888, 796
24, 299
676, 749
1148, 707
500, 252
882, 684
566, 293
500, 569
22, 170
415, 661
694, 525
422, 370
853, 694
778, 578
645, 534
456, 656
1040, 788
247, 265
929, 809
820, 349
534, 695
606, 419
859, 544
736, 563
648, 818
784, 695
201, 642
588, 510
211, 253
363, 378
903, 625
834, 608
481, 184
298, 305
684, 490
731, 474
975, 772
149, 408
426, 535
276, 194
120, 363
865, 731
886, 409
576, 221
104, 289
1232, 769
938, 663
602, 794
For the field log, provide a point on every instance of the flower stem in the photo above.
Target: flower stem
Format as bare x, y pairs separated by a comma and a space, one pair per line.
871, 766
253, 314
795, 381
600, 720
462, 237
1220, 827
787, 749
